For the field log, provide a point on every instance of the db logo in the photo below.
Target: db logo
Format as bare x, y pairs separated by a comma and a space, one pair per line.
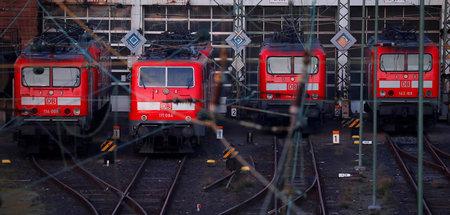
405, 84
50, 101
292, 86
166, 106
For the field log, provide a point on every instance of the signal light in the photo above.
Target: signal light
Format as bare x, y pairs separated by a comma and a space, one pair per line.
34, 111
382, 93
67, 111
428, 93
390, 93
76, 111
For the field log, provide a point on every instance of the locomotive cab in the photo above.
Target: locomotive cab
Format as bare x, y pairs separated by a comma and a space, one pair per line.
398, 77
166, 96
57, 94
281, 65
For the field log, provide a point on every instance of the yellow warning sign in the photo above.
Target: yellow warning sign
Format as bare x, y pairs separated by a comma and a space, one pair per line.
108, 145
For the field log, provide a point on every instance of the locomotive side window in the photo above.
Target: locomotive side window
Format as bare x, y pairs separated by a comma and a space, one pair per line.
392, 62
279, 65
152, 77
180, 77
36, 77
66, 77
313, 67
166, 77
413, 62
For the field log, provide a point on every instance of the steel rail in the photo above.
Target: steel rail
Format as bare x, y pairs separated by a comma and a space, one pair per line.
395, 149
218, 181
316, 182
135, 205
439, 151
262, 191
172, 186
127, 190
438, 166
78, 195
443, 168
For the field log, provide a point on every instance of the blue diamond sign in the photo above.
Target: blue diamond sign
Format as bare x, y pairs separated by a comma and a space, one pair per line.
238, 40
133, 40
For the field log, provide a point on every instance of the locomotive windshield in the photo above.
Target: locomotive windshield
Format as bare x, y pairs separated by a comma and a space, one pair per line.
283, 65
36, 77
66, 77
166, 77
397, 62
413, 62
313, 67
279, 65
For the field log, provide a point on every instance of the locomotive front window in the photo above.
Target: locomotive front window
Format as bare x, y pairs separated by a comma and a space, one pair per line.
279, 65
166, 77
66, 77
180, 77
392, 62
36, 77
152, 77
413, 62
313, 67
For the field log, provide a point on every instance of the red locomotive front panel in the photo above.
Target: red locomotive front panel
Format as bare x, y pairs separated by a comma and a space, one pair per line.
51, 88
398, 76
280, 70
166, 91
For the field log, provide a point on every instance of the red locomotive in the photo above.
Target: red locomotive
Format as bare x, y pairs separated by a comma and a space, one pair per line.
168, 85
281, 63
397, 78
58, 87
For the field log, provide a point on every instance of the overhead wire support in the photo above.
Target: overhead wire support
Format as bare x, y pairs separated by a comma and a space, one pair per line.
342, 73
374, 205
238, 26
420, 117
446, 58
360, 166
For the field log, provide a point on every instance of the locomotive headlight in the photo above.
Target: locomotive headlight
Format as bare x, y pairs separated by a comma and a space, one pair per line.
428, 93
25, 111
382, 93
76, 111
67, 111
34, 111
144, 117
188, 118
315, 96
391, 93
166, 91
269, 96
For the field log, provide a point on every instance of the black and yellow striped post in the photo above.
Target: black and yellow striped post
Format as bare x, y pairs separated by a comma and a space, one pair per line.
230, 155
108, 147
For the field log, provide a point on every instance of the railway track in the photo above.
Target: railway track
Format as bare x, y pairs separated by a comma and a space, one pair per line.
435, 172
306, 195
148, 191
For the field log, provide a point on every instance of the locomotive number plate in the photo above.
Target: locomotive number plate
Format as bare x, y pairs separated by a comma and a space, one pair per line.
50, 111
292, 86
50, 101
402, 93
405, 84
165, 115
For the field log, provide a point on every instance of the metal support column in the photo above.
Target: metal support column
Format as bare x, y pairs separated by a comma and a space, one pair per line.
374, 206
420, 117
343, 70
136, 19
238, 25
360, 166
445, 73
